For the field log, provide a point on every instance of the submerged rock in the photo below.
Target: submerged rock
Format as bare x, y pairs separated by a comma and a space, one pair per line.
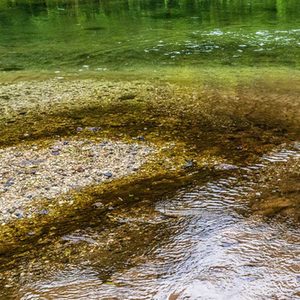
189, 164
127, 97
108, 174
98, 205
225, 167
139, 138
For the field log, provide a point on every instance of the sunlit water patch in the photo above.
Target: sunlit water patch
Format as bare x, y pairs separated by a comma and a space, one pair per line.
228, 45
214, 252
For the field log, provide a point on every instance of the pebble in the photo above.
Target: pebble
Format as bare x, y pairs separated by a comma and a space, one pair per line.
98, 205
55, 152
19, 215
189, 164
108, 174
225, 167
80, 169
9, 182
43, 212
94, 129
140, 138
102, 144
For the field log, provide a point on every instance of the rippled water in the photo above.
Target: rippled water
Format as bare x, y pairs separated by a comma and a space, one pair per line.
100, 36
216, 250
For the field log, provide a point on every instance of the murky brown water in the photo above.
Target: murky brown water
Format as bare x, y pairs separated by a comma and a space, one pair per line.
203, 243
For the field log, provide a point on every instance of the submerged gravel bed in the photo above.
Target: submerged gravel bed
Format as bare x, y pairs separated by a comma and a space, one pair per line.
18, 99
32, 172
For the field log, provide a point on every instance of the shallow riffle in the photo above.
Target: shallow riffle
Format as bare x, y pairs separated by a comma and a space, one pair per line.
226, 160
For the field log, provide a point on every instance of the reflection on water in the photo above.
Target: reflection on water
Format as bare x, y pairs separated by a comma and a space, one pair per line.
99, 36
214, 252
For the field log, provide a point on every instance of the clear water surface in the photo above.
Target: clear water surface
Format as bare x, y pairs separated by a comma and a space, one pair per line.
197, 244
99, 36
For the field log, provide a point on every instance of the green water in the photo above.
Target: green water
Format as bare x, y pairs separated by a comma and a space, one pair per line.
102, 36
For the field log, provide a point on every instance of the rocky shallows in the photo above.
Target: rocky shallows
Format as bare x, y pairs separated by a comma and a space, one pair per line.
94, 156
30, 173
60, 136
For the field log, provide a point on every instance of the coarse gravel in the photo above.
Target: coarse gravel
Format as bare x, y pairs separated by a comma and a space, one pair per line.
32, 172
31, 96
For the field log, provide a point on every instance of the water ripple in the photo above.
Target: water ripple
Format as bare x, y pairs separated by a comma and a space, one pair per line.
214, 253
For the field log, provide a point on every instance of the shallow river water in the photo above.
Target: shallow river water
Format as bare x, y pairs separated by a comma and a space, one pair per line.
208, 240
208, 245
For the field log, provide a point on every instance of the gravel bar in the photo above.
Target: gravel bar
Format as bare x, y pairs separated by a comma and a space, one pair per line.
31, 172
